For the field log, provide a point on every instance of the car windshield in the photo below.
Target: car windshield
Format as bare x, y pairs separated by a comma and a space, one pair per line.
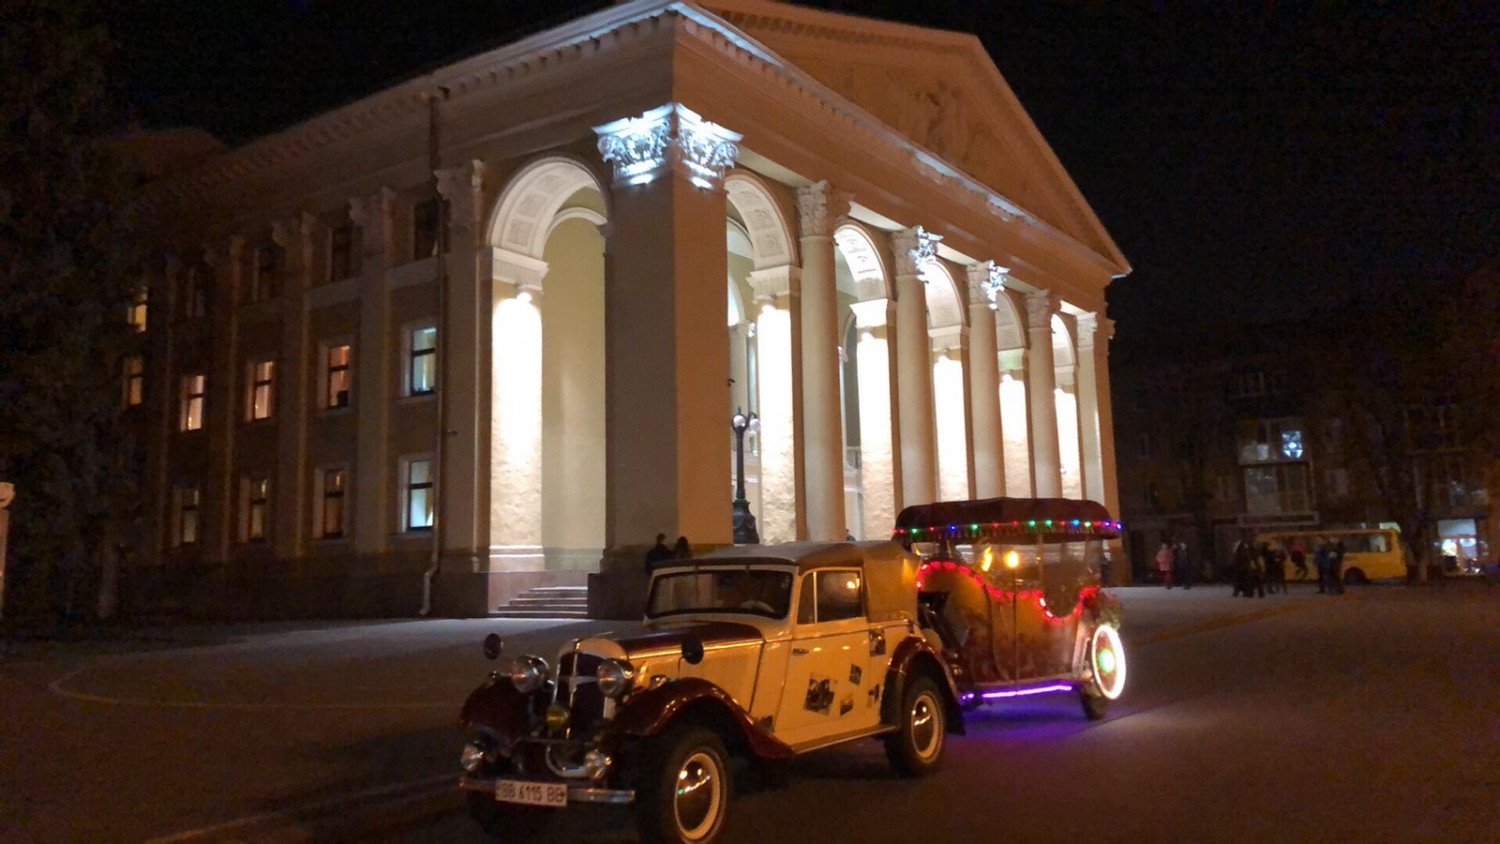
755, 591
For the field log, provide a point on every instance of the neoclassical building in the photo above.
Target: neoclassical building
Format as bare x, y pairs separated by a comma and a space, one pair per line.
506, 310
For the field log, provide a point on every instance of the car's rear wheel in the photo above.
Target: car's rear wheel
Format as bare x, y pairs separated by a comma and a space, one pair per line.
506, 821
685, 787
916, 748
1355, 577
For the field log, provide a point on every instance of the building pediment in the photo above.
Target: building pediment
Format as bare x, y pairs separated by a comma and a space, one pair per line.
938, 89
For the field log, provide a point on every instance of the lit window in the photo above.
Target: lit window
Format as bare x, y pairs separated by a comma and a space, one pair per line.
136, 314
135, 380
187, 515
192, 403
331, 519
421, 373
419, 495
336, 363
262, 380
342, 254
257, 508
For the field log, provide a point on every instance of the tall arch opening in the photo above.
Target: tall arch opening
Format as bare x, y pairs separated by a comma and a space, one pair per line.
547, 467
946, 319
1065, 393
869, 450
1015, 413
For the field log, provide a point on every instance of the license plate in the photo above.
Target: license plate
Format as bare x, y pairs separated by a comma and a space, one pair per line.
532, 793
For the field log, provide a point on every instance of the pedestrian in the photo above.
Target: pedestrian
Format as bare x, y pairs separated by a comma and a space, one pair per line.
1258, 571
1323, 556
658, 553
1183, 565
1273, 564
1165, 559
682, 551
1336, 567
1242, 568
1299, 559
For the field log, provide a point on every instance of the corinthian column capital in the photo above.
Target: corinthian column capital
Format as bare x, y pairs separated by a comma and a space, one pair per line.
820, 207
462, 187
986, 280
1041, 306
669, 137
916, 249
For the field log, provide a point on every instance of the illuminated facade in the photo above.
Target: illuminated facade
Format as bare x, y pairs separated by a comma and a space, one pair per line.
650, 217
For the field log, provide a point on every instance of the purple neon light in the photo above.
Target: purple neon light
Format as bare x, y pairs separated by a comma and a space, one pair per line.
1033, 690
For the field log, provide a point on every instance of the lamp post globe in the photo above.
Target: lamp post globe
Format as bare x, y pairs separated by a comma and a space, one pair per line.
744, 521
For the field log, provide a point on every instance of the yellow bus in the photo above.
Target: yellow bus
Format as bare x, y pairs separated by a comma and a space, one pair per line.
1368, 554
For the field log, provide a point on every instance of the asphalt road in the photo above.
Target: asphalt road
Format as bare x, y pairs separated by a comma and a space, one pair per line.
1295, 718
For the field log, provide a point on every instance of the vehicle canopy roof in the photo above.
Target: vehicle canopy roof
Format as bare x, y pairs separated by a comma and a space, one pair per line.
1006, 520
890, 571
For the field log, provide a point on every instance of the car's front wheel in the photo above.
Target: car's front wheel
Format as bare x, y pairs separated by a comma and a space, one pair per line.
685, 786
917, 747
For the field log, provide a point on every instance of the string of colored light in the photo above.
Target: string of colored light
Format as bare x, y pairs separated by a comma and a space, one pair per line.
1030, 526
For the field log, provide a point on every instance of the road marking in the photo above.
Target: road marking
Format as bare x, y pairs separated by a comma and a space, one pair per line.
58, 687
431, 787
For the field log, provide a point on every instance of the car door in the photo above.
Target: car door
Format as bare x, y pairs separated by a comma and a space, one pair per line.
828, 681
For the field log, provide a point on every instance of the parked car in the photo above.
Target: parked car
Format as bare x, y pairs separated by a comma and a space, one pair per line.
763, 653
768, 652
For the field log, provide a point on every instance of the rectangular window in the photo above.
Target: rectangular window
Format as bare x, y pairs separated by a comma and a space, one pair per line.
343, 260
195, 296
191, 418
331, 519
258, 404
257, 508
187, 515
269, 261
419, 495
136, 314
421, 371
336, 375
425, 220
1278, 489
1271, 440
135, 380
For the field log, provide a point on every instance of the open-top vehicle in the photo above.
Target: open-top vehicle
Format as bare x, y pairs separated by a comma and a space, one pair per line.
768, 652
1011, 587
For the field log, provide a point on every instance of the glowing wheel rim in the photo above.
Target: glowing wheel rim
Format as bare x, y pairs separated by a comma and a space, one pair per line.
698, 795
1107, 659
926, 727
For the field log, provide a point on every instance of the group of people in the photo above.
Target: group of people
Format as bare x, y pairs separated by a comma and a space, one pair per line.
1257, 569
660, 553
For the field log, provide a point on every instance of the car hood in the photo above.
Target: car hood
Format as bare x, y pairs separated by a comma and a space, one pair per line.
666, 638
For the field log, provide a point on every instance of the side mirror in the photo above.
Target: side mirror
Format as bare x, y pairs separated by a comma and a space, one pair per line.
692, 650
493, 645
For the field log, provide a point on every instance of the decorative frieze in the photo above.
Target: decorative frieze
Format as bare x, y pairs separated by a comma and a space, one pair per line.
820, 209
916, 250
670, 137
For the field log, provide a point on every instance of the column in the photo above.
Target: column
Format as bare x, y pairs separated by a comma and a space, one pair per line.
985, 282
778, 381
461, 357
289, 492
374, 474
819, 209
1015, 425
666, 343
223, 396
1094, 333
879, 469
914, 249
1041, 378
515, 471
950, 412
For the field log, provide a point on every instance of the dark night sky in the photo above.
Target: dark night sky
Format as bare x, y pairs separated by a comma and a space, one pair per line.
1250, 163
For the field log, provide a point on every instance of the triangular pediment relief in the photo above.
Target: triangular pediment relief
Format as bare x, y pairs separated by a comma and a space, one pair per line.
940, 90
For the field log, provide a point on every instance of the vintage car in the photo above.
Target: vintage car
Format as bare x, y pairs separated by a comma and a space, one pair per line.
758, 652
1012, 588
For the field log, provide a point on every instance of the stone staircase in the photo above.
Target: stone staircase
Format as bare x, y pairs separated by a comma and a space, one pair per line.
547, 602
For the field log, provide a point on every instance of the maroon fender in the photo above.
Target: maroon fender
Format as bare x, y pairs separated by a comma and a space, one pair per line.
910, 656
497, 706
651, 711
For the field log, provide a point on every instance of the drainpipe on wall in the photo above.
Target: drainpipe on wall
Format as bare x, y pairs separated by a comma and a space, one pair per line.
435, 559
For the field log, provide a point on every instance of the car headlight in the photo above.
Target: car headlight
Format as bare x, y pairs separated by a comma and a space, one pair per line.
615, 677
528, 673
473, 757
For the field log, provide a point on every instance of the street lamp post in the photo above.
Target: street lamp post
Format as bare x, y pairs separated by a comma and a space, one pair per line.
744, 520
